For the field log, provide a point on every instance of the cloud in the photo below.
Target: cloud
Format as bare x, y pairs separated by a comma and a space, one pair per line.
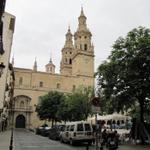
41, 26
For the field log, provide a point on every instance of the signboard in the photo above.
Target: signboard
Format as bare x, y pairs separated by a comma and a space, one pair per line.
95, 101
95, 109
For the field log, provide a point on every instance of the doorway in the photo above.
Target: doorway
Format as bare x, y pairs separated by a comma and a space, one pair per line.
20, 121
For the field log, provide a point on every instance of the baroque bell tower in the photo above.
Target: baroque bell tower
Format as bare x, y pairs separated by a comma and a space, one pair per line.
50, 67
83, 57
67, 52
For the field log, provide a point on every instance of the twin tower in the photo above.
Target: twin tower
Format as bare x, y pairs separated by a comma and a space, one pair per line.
78, 54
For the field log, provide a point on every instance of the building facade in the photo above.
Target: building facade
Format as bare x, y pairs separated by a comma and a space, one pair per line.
76, 69
5, 81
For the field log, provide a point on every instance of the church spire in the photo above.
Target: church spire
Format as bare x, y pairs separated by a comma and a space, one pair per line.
83, 54
82, 21
35, 65
82, 36
68, 42
50, 60
67, 52
82, 12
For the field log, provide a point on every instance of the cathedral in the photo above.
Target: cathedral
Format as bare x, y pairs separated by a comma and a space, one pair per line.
76, 69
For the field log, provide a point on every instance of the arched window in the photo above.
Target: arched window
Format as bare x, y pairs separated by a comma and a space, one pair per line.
70, 61
58, 86
41, 84
85, 47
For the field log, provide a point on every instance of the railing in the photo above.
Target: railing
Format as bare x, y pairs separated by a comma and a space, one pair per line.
24, 109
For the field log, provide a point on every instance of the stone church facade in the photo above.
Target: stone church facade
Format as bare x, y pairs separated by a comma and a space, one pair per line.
76, 69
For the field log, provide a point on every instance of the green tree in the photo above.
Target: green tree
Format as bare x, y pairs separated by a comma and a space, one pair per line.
125, 77
63, 112
49, 105
78, 103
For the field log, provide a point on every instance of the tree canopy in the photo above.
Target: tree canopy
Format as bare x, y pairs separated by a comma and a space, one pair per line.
124, 79
79, 103
49, 105
57, 106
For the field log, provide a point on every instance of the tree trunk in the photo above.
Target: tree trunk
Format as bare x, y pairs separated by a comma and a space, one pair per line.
52, 122
142, 110
140, 125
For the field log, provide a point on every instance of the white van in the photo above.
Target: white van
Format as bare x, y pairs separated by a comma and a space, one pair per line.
80, 131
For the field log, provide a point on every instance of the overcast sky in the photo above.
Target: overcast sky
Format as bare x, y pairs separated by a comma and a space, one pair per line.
41, 26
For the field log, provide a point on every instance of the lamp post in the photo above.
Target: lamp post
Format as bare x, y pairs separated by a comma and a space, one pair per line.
96, 136
96, 109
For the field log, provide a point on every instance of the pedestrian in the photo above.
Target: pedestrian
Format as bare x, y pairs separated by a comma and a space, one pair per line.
104, 137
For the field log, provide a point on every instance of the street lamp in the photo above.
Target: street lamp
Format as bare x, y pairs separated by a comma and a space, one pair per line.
95, 101
2, 66
96, 109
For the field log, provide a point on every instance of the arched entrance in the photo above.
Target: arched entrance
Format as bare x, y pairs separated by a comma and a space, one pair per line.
20, 121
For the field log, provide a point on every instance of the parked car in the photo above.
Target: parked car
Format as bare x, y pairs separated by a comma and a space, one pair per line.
39, 130
54, 132
43, 130
80, 131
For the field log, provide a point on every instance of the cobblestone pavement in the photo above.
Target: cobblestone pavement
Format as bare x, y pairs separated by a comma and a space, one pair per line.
25, 140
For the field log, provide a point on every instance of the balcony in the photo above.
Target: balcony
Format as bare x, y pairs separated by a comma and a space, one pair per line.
23, 109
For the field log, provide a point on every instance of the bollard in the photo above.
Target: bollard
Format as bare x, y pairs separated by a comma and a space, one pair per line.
87, 147
11, 144
11, 141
